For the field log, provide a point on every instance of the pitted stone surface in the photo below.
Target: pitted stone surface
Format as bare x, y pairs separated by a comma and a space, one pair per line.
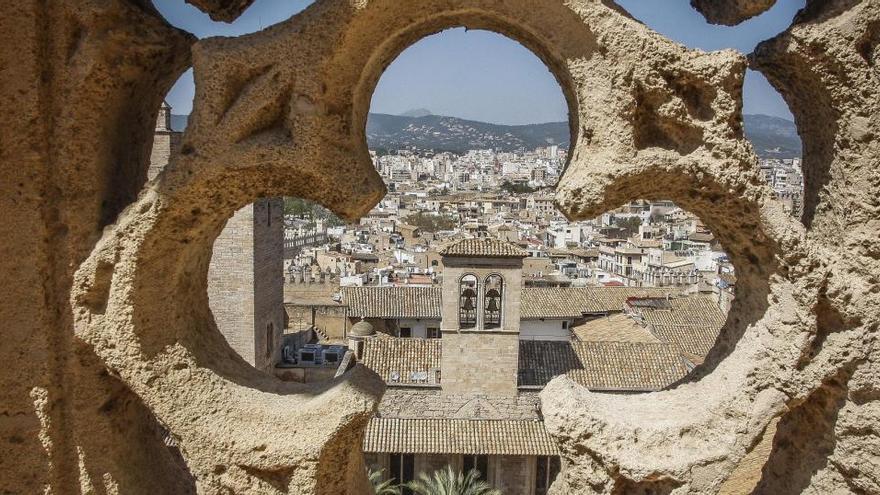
731, 12
222, 10
793, 379
825, 65
805, 319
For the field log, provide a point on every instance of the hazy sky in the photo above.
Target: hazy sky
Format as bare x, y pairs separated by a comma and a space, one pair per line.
483, 76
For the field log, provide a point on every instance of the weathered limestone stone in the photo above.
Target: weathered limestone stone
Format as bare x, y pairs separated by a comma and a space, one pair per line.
283, 112
222, 10
806, 316
826, 67
80, 85
731, 12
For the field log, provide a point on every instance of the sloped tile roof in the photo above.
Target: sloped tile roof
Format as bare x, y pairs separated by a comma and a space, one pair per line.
485, 247
537, 302
458, 436
393, 302
601, 365
618, 327
692, 323
595, 365
403, 361
572, 302
432, 403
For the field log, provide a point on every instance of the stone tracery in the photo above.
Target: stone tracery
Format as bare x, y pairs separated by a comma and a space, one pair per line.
283, 112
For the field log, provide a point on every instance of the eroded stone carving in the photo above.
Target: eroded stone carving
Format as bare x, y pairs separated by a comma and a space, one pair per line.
825, 65
222, 10
282, 112
805, 320
80, 83
731, 12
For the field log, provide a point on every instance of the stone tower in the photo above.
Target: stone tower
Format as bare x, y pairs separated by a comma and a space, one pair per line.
482, 287
245, 278
246, 282
166, 142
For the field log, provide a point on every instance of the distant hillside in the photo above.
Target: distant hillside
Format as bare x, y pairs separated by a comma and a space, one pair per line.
458, 135
178, 122
772, 137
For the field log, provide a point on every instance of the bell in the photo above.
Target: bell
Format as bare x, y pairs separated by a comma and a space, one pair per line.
469, 304
493, 305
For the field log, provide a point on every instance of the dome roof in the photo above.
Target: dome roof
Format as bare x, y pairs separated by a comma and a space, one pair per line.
362, 329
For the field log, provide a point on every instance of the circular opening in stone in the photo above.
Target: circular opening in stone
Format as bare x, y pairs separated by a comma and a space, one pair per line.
474, 257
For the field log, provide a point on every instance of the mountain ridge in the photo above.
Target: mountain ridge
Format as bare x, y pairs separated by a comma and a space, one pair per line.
772, 137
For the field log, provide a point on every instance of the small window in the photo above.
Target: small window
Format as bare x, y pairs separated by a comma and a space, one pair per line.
493, 302
433, 333
405, 332
565, 325
467, 308
478, 462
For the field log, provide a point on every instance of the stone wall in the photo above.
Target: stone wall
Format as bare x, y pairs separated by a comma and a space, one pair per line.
165, 144
479, 363
115, 275
245, 282
513, 475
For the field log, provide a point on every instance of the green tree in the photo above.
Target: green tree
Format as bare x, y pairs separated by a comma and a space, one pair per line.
431, 223
630, 224
517, 188
380, 486
311, 211
449, 482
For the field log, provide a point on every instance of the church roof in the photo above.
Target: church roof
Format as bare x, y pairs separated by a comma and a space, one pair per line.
537, 302
459, 436
483, 247
393, 302
573, 302
692, 323
617, 366
404, 361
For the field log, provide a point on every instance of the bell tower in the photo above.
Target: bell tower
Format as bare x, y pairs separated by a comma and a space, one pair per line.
482, 289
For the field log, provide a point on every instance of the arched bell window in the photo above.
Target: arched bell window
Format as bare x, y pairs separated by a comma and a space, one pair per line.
492, 304
467, 302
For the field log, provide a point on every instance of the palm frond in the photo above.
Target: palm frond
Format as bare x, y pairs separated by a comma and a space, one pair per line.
449, 482
380, 486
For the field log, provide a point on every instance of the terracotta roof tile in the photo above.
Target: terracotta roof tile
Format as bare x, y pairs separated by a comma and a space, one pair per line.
537, 302
491, 248
618, 327
457, 436
601, 365
573, 302
404, 361
393, 302
595, 365
692, 323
